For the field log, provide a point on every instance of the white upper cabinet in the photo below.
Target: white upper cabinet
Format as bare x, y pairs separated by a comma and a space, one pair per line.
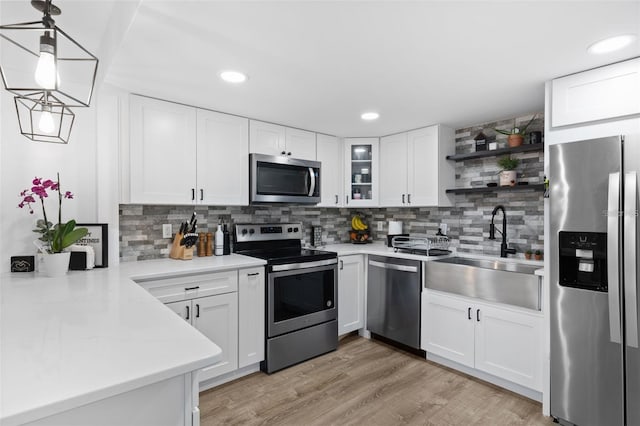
393, 170
329, 153
361, 172
414, 171
272, 139
223, 159
162, 152
185, 155
598, 94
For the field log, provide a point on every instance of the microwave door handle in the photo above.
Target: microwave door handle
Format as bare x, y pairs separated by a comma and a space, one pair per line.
613, 260
312, 180
630, 265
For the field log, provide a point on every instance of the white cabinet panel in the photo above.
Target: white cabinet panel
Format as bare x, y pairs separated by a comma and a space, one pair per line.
162, 143
598, 94
329, 153
429, 173
361, 160
393, 170
350, 294
266, 138
509, 345
300, 144
222, 159
251, 304
448, 327
217, 318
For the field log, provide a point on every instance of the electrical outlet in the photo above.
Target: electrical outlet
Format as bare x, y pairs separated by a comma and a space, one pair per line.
166, 230
380, 225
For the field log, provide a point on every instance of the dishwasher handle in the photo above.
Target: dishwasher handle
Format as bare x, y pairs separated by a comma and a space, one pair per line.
393, 266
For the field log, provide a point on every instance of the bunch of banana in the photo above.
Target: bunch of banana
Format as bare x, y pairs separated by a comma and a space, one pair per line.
357, 223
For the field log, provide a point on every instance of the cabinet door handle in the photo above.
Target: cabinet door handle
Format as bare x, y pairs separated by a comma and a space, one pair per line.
336, 199
193, 194
191, 288
187, 313
469, 313
346, 197
408, 198
478, 315
201, 194
253, 274
197, 310
283, 152
288, 153
402, 198
341, 265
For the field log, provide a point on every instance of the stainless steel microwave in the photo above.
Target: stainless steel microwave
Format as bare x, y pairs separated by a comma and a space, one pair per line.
279, 179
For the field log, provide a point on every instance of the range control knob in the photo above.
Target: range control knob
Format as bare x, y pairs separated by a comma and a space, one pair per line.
251, 231
295, 229
244, 232
289, 229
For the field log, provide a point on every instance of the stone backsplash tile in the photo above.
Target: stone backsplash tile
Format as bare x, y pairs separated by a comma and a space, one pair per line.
468, 220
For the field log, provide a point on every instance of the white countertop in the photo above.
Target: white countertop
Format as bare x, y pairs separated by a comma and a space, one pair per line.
380, 248
66, 342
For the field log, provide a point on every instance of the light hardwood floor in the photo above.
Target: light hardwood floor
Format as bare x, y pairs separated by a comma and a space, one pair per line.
366, 382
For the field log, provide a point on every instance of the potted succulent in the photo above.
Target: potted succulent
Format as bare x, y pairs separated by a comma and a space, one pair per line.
538, 254
516, 134
528, 254
508, 172
56, 238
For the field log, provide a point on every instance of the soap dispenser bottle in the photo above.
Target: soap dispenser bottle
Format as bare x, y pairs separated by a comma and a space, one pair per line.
219, 243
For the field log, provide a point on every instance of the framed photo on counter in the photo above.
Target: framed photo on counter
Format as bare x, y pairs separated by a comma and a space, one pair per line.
98, 238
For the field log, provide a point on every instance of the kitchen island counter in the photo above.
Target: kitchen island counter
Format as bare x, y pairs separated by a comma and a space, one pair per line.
91, 335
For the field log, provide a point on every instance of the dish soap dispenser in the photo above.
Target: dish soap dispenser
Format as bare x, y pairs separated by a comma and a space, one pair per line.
219, 242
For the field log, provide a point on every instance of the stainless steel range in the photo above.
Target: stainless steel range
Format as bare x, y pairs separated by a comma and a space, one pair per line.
301, 285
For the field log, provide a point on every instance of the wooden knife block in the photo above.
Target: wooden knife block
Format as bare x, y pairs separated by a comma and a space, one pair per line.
180, 252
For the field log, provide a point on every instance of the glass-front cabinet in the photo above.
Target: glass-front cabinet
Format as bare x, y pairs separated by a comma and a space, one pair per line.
361, 172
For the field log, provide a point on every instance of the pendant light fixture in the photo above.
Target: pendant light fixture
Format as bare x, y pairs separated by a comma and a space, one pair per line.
43, 117
48, 71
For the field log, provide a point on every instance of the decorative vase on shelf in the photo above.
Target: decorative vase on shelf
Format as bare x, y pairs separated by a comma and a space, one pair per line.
507, 178
515, 140
54, 264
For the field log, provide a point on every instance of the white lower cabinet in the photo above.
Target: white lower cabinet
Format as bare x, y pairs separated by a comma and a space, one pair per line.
251, 301
227, 307
217, 318
501, 340
350, 293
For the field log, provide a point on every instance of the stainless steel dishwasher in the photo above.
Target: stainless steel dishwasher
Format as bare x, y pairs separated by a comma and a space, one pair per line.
393, 299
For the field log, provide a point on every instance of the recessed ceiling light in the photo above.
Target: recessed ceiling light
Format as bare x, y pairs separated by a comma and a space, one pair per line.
368, 116
611, 44
233, 76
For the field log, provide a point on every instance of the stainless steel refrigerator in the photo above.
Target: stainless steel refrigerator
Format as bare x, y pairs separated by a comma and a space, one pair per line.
595, 360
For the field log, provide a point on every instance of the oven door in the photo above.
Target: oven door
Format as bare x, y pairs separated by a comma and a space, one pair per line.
276, 179
301, 296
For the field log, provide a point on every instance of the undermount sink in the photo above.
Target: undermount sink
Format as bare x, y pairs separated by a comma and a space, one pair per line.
492, 264
492, 280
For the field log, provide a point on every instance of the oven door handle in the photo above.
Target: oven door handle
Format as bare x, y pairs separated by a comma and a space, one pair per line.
293, 266
312, 185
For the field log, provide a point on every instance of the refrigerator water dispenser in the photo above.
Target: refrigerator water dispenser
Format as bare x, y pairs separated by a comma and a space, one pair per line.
583, 260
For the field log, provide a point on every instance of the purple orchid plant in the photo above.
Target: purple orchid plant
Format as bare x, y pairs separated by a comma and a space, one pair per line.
61, 235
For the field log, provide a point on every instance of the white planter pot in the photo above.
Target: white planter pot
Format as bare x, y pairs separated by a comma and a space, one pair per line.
54, 265
507, 178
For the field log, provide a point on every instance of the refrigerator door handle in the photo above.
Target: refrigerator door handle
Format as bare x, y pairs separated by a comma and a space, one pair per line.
630, 233
613, 258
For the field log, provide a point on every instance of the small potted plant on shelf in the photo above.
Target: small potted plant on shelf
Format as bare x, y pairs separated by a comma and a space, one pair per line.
516, 134
538, 254
528, 254
508, 172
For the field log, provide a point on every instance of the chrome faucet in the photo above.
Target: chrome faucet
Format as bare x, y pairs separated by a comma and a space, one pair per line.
504, 249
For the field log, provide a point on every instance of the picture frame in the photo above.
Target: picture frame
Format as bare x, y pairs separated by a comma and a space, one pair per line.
98, 238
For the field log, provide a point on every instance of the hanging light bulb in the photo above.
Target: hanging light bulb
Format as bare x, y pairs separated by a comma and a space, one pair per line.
46, 73
46, 124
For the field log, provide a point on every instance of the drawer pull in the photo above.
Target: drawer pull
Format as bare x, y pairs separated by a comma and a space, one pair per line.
191, 288
253, 274
469, 313
197, 310
187, 313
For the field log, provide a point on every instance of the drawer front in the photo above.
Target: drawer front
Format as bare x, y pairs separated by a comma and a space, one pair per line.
189, 287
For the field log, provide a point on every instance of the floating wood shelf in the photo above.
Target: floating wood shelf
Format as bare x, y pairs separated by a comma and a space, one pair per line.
534, 187
497, 152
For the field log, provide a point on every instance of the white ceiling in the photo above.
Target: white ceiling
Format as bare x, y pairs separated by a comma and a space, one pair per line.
318, 65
